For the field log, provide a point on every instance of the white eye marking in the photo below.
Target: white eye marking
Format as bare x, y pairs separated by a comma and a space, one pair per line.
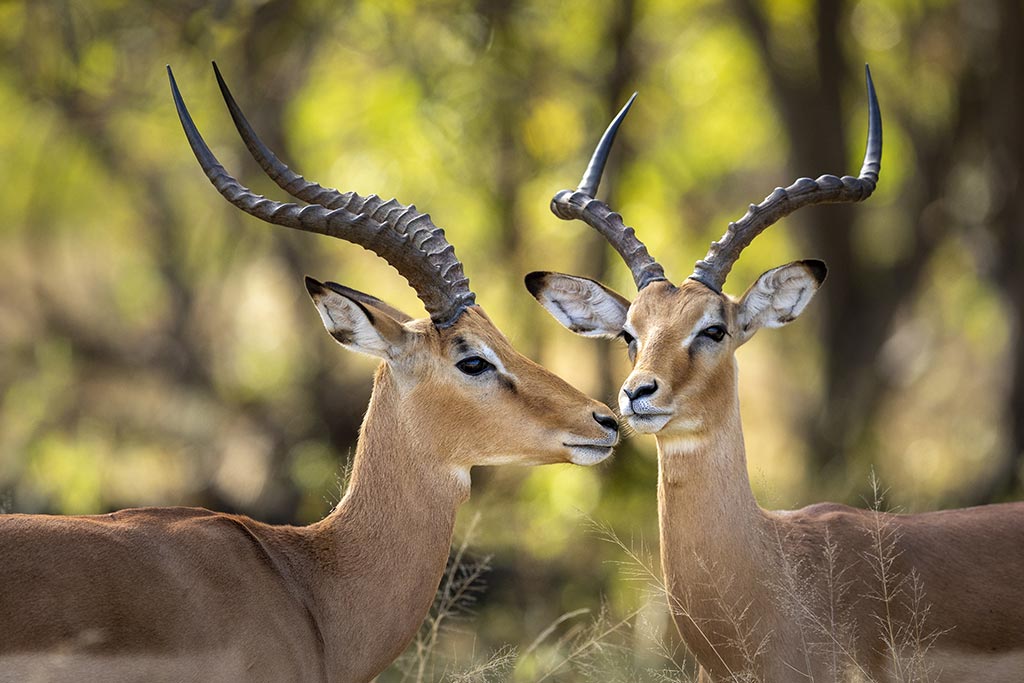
706, 321
490, 356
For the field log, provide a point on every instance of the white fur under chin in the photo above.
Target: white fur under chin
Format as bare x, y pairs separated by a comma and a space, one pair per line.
588, 455
648, 424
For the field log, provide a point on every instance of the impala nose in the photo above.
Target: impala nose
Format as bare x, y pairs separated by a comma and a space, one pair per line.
607, 421
641, 391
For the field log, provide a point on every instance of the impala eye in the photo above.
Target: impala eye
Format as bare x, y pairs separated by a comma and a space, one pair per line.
630, 345
715, 333
474, 365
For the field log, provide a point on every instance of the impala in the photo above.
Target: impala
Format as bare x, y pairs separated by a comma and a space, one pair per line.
823, 593
189, 594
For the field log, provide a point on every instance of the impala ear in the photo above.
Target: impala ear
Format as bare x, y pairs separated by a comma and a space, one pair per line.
584, 306
359, 321
779, 296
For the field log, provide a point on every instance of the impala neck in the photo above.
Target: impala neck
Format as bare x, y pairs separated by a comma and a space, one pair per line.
713, 548
389, 536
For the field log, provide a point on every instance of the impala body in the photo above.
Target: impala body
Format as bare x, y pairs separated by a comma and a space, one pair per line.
826, 593
172, 594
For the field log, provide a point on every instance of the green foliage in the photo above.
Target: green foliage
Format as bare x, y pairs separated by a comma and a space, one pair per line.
156, 347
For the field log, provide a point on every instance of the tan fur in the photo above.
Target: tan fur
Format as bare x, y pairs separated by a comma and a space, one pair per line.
735, 571
189, 594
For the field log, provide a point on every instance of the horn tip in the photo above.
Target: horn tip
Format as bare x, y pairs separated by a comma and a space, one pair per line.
220, 79
626, 107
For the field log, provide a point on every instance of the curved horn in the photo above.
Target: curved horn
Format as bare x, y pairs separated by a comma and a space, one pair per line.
713, 269
405, 238
287, 179
580, 204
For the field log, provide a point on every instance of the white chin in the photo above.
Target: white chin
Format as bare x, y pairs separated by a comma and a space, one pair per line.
588, 455
648, 424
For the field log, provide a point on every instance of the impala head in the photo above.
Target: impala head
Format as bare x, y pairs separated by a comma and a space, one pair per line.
460, 385
681, 339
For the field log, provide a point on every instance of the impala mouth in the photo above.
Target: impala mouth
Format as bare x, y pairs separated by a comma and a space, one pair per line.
588, 453
649, 422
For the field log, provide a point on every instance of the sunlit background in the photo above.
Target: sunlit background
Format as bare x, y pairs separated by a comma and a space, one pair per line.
157, 346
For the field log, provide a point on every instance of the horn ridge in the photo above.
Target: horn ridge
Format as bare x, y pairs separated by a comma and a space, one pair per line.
581, 204
714, 268
443, 289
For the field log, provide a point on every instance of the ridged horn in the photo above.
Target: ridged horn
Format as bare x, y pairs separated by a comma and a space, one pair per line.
580, 204
714, 268
405, 238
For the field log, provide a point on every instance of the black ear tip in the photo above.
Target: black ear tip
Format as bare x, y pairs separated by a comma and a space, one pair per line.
535, 281
818, 269
314, 287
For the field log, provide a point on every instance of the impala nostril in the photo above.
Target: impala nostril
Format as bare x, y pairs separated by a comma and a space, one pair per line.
642, 390
607, 421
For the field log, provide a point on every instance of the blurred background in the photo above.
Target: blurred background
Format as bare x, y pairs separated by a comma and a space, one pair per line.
157, 346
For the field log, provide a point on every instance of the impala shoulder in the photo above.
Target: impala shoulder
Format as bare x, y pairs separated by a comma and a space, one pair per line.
219, 529
150, 516
818, 510
823, 512
814, 520
240, 526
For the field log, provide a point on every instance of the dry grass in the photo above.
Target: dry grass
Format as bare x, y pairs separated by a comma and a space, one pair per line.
642, 646
462, 583
908, 639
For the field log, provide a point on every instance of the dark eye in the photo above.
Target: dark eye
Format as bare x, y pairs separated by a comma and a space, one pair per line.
474, 365
714, 333
630, 345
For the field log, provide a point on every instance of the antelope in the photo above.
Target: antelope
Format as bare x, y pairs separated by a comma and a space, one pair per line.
823, 593
188, 594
